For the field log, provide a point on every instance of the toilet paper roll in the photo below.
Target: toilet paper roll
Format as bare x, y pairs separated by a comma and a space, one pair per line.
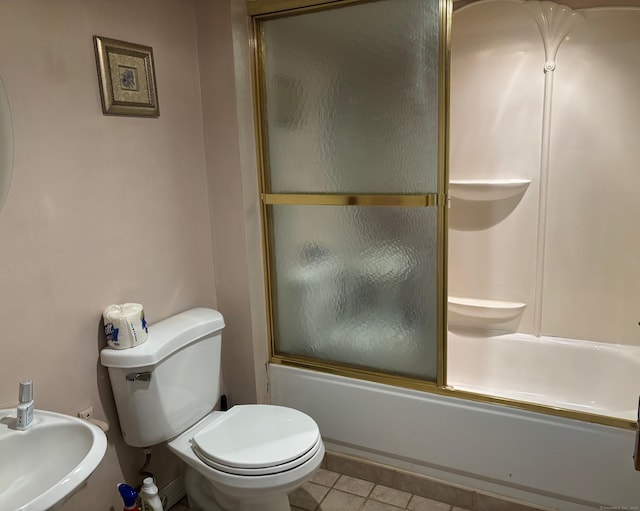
125, 325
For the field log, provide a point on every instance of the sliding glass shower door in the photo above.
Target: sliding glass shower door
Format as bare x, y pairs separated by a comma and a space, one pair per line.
352, 136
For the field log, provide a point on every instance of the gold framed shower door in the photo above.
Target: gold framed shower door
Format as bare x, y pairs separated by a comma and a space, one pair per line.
263, 10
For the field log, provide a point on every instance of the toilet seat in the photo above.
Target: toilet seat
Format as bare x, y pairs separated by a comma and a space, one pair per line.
261, 471
254, 440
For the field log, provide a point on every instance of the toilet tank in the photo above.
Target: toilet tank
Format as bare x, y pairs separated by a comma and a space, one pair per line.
168, 383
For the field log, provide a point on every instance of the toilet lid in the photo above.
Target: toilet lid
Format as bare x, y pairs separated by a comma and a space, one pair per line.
257, 436
276, 469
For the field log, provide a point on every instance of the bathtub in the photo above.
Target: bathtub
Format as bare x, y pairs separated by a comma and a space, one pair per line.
566, 373
542, 459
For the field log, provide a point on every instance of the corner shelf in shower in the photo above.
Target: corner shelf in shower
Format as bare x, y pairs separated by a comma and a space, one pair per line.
492, 311
487, 189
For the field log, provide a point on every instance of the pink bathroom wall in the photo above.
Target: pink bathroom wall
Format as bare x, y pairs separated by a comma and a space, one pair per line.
101, 209
232, 176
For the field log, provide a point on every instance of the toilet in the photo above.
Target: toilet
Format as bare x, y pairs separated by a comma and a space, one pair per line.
245, 459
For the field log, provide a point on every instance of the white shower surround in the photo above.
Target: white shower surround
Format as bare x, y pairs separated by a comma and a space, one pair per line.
567, 246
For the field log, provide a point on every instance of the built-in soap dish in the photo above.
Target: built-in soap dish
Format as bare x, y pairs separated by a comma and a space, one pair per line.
487, 189
485, 311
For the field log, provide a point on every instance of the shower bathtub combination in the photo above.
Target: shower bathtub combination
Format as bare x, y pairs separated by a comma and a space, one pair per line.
542, 459
539, 405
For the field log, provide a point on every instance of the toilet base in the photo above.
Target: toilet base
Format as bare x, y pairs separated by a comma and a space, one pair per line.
277, 503
203, 496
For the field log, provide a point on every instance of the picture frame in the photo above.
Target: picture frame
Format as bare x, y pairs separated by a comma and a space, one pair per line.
127, 78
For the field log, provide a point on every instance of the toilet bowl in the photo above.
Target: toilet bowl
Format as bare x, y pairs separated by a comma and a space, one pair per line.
245, 459
253, 454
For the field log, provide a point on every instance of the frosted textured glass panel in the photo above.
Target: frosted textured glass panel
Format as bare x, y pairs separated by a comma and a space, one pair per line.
352, 99
357, 285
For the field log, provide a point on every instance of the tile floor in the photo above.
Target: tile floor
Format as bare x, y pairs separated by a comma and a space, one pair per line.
330, 491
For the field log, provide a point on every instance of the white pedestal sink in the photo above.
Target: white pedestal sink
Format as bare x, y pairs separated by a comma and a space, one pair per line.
43, 465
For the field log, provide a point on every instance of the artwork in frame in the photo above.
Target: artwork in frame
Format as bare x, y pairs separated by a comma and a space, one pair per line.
127, 78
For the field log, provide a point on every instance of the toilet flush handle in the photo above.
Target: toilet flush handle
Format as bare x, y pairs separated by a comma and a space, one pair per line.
139, 376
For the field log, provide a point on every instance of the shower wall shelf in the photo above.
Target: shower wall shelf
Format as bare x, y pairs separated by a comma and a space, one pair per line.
487, 189
487, 310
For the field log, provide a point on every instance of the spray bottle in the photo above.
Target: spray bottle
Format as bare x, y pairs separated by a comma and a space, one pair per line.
129, 497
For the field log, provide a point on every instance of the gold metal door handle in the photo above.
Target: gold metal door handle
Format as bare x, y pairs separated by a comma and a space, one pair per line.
636, 451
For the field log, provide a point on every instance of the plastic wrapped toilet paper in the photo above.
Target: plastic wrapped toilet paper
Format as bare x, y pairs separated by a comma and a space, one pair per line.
125, 325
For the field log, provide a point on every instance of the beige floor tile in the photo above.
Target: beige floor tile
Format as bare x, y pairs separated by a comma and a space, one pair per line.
308, 496
353, 485
418, 503
390, 496
341, 501
459, 509
325, 477
374, 505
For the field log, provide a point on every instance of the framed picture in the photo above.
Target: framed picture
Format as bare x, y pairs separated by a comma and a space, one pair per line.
127, 78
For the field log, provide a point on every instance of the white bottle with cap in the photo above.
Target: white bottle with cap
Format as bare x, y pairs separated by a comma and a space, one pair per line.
149, 495
25, 408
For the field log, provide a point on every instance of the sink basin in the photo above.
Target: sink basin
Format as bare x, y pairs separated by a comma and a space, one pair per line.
43, 465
